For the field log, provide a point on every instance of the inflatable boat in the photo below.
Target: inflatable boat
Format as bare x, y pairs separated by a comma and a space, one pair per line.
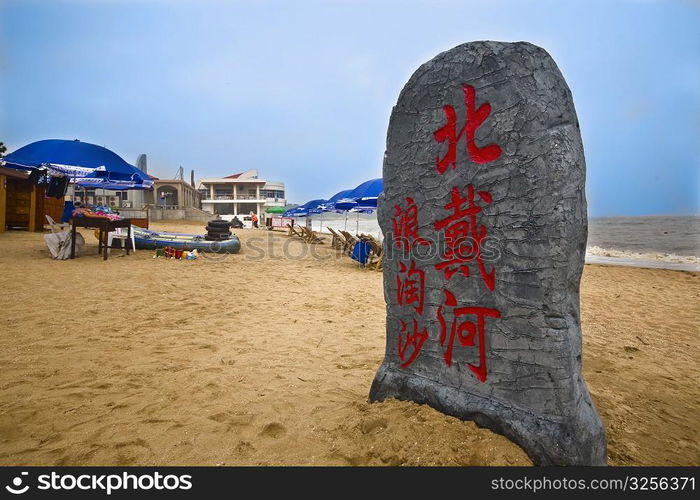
150, 240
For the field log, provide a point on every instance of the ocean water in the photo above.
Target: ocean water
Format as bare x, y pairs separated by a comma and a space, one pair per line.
671, 242
667, 235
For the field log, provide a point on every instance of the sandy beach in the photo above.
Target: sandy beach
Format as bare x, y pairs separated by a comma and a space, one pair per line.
262, 359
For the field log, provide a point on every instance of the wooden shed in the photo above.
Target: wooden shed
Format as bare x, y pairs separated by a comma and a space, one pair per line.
23, 205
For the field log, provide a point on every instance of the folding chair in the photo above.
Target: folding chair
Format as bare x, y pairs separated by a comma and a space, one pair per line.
55, 227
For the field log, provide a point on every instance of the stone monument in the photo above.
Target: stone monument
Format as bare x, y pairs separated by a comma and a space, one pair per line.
484, 217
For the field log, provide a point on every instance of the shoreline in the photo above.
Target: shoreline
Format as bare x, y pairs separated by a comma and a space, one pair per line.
642, 263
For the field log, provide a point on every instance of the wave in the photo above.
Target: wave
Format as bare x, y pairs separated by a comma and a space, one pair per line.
654, 256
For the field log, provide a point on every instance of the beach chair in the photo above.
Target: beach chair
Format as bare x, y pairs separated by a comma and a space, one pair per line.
55, 227
338, 240
295, 230
350, 241
379, 266
310, 236
301, 232
376, 257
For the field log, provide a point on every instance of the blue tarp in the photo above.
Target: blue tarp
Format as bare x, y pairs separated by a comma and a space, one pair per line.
94, 166
361, 251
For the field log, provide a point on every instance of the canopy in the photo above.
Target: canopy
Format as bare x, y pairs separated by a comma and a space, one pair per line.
365, 195
88, 164
275, 210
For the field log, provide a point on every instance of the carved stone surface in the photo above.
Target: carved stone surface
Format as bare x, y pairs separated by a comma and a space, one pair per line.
484, 215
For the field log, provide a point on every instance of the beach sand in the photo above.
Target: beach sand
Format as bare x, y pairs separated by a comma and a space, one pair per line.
261, 359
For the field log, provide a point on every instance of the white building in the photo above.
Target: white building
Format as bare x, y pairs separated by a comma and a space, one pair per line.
240, 194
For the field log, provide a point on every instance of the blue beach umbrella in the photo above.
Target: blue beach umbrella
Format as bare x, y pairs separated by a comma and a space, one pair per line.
305, 209
330, 204
364, 195
362, 199
88, 165
345, 204
368, 192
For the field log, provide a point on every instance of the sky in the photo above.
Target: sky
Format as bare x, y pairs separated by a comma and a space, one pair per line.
302, 90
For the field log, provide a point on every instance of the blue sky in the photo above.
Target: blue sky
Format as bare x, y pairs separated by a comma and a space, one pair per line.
303, 90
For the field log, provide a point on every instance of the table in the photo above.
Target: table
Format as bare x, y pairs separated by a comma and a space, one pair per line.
105, 226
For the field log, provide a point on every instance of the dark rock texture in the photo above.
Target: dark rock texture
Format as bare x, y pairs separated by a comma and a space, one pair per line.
514, 365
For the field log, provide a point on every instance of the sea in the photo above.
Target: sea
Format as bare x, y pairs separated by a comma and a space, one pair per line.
664, 242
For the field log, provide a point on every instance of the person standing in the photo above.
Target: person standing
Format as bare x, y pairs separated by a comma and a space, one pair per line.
254, 218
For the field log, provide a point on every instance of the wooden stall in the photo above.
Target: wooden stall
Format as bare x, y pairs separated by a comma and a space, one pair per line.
23, 205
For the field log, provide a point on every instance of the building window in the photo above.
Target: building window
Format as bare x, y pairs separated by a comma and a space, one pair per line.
271, 193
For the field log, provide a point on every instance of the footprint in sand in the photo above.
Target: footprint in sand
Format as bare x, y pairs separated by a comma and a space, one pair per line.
367, 426
103, 385
244, 447
274, 430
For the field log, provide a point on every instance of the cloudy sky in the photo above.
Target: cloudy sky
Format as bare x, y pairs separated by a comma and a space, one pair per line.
302, 90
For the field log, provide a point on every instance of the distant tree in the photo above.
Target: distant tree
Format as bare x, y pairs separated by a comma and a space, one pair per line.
3, 149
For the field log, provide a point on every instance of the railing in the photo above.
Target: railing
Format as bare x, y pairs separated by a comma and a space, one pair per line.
169, 207
232, 197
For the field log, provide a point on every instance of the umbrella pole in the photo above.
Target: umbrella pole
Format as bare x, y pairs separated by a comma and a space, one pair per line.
320, 223
357, 226
345, 228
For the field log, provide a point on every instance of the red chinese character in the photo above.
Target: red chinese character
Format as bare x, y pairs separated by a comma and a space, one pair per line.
405, 224
475, 117
463, 238
414, 340
411, 288
466, 331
